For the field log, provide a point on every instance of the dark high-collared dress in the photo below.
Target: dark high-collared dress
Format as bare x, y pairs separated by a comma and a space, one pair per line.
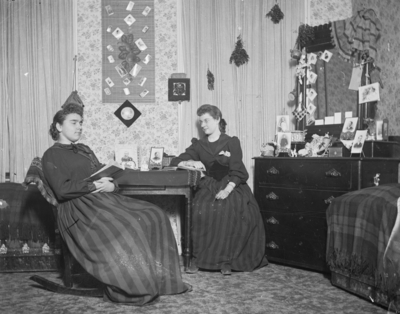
127, 244
230, 231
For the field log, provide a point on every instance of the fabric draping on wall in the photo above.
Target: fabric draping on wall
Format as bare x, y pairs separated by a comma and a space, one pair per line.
37, 70
249, 96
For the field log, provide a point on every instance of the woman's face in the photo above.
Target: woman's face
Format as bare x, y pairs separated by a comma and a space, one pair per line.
208, 124
71, 129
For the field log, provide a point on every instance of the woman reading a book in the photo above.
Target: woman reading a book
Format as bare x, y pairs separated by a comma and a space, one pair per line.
125, 243
228, 231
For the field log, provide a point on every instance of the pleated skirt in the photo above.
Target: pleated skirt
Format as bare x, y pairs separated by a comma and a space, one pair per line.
227, 232
127, 244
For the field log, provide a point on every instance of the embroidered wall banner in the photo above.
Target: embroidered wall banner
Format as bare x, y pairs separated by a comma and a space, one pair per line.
128, 48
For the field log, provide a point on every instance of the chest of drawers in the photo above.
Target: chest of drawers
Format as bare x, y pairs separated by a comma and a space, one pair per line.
294, 193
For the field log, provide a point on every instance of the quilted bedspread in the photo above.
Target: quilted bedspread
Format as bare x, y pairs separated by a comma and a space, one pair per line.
364, 235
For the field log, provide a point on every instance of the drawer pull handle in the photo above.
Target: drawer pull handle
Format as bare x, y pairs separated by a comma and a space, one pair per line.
329, 200
273, 171
272, 245
272, 196
271, 220
376, 179
333, 173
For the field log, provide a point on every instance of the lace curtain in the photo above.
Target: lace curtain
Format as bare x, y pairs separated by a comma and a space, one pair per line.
249, 96
36, 66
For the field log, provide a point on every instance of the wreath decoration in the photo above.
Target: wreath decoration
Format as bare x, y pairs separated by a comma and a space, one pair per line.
129, 52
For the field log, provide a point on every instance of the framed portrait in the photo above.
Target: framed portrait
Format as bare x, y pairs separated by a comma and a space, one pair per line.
349, 129
127, 156
378, 130
178, 89
385, 129
282, 124
358, 141
368, 93
156, 158
284, 141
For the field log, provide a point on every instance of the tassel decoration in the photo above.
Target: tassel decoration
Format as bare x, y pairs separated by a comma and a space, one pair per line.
275, 14
239, 55
210, 80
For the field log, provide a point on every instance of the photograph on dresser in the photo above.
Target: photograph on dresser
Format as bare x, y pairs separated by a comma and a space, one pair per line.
282, 123
283, 142
358, 141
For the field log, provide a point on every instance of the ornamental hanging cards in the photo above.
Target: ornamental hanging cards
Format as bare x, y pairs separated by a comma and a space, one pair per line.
128, 51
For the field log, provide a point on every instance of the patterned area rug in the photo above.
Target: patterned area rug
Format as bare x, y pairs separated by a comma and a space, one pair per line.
273, 289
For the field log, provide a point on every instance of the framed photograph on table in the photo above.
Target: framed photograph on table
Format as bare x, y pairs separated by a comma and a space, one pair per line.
178, 89
156, 158
127, 156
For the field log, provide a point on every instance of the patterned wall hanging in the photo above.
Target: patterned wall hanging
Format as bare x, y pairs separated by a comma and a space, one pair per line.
128, 51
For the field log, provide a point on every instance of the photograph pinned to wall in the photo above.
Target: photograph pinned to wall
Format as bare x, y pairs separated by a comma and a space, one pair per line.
156, 158
368, 93
117, 33
311, 93
282, 124
311, 77
312, 58
283, 142
127, 156
129, 20
127, 113
178, 89
326, 56
358, 141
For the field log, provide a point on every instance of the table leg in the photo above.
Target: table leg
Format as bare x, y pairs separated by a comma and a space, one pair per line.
187, 250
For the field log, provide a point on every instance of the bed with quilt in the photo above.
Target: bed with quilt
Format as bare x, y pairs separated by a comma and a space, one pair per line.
363, 246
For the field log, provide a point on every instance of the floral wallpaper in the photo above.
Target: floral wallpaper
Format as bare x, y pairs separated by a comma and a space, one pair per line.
322, 11
388, 60
158, 124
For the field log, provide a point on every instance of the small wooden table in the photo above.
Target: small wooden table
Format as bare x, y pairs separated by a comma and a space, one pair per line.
163, 183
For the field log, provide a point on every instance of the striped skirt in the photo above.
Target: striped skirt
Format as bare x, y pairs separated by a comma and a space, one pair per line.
227, 232
125, 243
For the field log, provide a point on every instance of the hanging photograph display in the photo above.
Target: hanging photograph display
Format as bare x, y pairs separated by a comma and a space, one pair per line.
128, 51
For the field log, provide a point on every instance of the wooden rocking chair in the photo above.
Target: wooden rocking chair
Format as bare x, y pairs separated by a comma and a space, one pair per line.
73, 273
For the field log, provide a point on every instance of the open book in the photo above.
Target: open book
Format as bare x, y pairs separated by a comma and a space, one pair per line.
110, 170
169, 168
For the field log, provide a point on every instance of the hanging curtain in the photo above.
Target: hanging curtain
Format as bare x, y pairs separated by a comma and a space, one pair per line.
36, 38
249, 96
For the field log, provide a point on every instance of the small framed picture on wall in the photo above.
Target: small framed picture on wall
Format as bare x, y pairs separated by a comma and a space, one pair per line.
178, 89
156, 158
